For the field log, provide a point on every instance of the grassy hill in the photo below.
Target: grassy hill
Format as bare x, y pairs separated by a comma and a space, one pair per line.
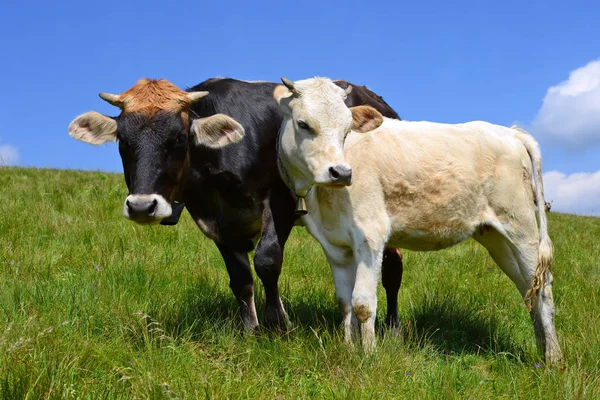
94, 306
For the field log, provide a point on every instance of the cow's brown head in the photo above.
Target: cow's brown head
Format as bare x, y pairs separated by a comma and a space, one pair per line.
154, 131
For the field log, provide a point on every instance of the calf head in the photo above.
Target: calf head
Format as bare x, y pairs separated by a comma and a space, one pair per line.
315, 124
154, 132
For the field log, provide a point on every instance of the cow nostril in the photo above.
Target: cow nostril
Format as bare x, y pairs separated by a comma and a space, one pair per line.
334, 174
128, 204
152, 207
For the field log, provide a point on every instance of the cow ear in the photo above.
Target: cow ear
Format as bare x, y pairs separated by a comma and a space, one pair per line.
365, 118
93, 128
283, 96
216, 131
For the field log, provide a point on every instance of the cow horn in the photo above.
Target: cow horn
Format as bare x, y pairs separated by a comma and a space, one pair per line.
288, 84
195, 96
114, 99
348, 90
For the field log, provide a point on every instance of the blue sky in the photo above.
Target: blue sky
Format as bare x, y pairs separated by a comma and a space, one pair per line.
439, 61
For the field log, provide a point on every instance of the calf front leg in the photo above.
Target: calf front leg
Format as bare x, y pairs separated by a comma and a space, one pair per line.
344, 278
241, 283
364, 296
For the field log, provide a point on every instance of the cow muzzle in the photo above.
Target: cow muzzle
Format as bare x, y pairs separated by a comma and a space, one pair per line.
146, 208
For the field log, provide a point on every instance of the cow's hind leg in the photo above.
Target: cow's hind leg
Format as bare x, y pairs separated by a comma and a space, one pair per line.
518, 259
241, 283
391, 278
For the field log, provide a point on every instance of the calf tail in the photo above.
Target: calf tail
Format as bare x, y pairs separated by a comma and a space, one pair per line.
546, 250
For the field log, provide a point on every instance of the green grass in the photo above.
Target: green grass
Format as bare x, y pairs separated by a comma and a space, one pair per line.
93, 306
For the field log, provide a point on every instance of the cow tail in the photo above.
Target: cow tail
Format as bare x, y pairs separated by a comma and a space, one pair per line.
546, 249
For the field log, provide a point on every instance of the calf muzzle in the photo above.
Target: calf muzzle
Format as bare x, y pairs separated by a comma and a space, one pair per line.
340, 175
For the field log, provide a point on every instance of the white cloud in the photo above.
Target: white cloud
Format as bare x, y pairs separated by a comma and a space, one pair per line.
570, 113
9, 155
578, 193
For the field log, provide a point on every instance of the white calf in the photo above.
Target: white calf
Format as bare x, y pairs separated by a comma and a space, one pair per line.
415, 185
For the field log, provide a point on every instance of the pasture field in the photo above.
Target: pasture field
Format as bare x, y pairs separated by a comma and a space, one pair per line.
95, 307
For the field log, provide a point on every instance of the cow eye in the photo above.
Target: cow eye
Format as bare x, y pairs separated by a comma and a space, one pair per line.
303, 125
179, 138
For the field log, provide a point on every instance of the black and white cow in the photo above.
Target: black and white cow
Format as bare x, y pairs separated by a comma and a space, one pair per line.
212, 148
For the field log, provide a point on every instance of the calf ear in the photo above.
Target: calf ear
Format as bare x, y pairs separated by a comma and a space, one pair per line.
283, 96
365, 118
93, 128
216, 131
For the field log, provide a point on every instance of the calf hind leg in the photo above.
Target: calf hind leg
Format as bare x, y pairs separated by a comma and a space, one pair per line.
518, 260
542, 314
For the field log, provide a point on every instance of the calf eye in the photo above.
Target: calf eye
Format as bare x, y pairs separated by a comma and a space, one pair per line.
303, 125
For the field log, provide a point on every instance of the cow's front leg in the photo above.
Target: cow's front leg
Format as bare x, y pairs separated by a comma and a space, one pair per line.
364, 296
278, 221
241, 283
